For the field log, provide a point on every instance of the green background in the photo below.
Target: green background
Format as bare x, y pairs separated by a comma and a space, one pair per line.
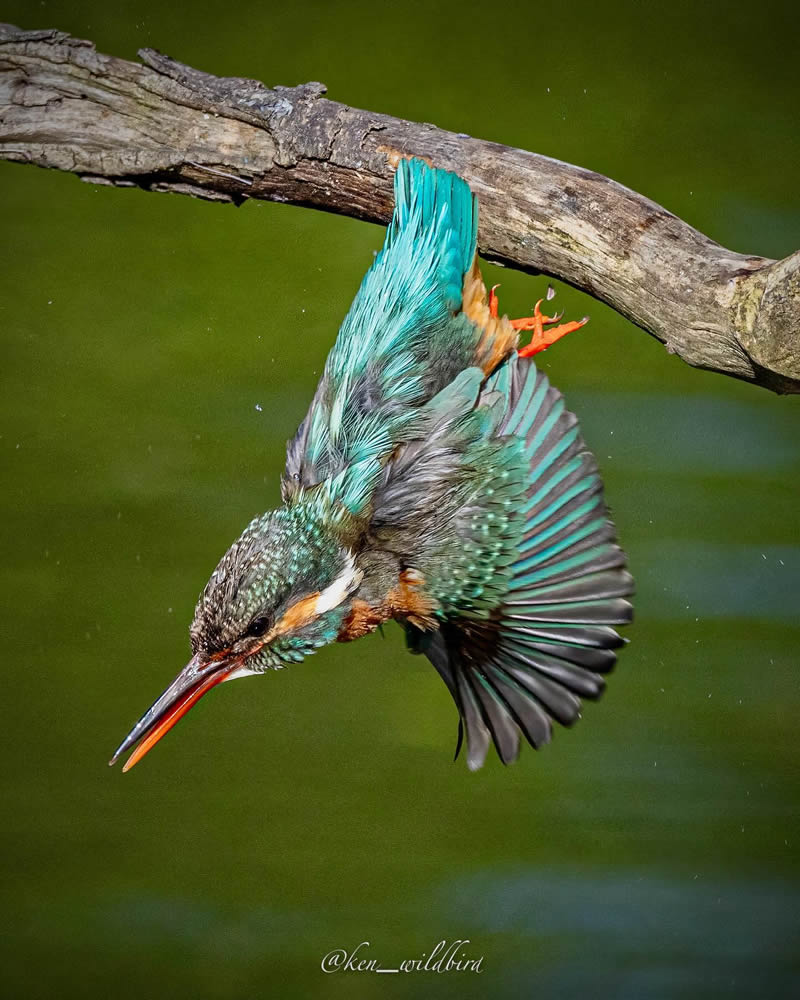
650, 852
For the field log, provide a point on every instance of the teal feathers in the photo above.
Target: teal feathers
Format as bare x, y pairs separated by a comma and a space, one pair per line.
483, 485
403, 340
437, 479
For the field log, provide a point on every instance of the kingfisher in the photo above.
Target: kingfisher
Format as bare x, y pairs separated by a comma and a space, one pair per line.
439, 480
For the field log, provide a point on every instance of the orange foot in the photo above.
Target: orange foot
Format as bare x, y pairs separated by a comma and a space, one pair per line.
541, 339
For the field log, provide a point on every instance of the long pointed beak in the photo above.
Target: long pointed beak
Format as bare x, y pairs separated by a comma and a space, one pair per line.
195, 680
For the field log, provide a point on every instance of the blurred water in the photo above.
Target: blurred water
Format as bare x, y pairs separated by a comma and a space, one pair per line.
635, 934
158, 352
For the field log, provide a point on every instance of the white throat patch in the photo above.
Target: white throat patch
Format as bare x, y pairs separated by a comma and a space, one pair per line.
341, 588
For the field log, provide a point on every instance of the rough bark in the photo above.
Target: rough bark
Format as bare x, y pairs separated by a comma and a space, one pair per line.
163, 126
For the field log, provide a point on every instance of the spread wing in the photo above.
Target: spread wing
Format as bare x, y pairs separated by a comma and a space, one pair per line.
525, 567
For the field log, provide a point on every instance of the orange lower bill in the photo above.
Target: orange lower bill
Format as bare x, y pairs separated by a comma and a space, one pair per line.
174, 714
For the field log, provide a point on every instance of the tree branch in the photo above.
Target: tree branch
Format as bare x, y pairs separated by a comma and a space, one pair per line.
163, 126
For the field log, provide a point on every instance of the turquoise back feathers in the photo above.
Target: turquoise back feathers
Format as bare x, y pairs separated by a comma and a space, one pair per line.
402, 341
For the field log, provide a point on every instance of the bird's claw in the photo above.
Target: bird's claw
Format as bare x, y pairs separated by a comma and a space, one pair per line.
541, 339
493, 301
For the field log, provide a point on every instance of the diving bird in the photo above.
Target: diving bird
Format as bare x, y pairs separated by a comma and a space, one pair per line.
439, 480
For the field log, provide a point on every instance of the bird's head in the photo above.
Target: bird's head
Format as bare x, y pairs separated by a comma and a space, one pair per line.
281, 591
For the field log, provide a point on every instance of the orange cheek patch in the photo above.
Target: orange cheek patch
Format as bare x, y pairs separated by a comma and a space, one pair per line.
299, 614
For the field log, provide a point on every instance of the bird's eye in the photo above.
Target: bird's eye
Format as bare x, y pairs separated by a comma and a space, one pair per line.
258, 626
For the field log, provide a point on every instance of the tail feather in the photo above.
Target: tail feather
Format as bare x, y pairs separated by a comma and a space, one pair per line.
427, 199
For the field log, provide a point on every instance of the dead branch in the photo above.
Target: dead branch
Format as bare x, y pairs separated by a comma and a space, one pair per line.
163, 126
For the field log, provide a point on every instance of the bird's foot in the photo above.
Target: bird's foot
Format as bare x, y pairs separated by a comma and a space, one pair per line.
541, 339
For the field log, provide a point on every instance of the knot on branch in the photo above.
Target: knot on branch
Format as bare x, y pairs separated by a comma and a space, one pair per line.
768, 321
